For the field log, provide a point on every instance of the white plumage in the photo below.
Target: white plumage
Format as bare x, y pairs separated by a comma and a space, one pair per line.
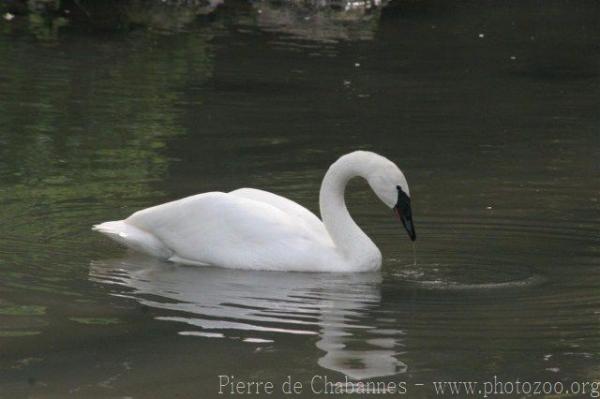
255, 229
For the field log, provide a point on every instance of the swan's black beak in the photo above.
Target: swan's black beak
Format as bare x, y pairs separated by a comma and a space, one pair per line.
404, 212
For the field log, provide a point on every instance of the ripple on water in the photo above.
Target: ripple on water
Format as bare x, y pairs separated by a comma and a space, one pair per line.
461, 275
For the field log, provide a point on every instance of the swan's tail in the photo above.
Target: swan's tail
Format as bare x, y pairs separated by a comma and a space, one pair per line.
134, 238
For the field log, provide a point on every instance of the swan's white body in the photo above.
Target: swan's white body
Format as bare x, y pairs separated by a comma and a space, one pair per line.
255, 229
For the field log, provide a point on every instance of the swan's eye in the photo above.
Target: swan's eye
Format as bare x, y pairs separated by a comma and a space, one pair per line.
398, 188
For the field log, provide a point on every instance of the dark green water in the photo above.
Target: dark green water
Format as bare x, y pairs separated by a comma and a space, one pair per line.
491, 110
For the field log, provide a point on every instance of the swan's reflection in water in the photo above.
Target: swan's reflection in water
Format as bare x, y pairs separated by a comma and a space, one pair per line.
338, 308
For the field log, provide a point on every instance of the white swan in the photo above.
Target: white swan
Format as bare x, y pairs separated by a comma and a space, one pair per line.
258, 230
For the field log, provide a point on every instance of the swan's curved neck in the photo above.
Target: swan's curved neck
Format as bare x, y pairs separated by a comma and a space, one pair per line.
354, 244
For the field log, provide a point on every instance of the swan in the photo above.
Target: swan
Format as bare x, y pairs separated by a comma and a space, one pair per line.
256, 230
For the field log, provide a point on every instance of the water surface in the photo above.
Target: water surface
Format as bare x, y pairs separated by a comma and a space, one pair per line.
490, 109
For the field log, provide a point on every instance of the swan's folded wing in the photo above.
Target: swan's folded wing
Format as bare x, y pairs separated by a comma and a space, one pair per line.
231, 231
289, 207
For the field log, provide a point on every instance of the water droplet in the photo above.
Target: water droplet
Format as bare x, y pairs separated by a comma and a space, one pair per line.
414, 253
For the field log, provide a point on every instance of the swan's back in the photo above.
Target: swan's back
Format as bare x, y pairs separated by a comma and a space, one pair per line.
291, 208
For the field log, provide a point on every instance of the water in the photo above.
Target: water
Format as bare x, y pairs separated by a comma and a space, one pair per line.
490, 109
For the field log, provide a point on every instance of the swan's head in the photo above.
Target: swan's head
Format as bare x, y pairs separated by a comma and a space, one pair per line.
389, 184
